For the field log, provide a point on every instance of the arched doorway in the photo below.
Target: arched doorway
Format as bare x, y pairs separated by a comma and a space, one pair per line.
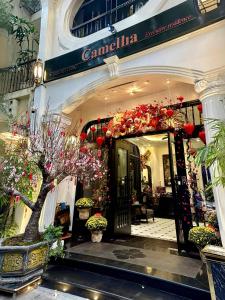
123, 188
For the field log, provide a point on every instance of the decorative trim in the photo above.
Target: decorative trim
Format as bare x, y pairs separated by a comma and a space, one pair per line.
113, 65
212, 84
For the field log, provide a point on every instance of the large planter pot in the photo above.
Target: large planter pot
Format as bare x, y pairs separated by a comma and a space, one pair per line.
19, 264
96, 236
214, 257
84, 213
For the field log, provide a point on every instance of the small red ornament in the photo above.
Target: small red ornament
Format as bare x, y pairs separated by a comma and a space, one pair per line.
104, 129
199, 107
154, 122
100, 140
63, 133
83, 136
201, 135
30, 176
189, 128
180, 98
49, 132
17, 199
99, 119
169, 113
93, 129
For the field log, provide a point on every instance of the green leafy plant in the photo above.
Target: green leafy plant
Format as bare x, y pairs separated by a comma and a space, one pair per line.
53, 235
202, 236
213, 154
96, 222
84, 203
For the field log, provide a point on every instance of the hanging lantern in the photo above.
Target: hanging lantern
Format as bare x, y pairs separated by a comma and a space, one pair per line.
104, 129
180, 98
93, 129
189, 128
199, 107
83, 136
38, 72
100, 140
201, 135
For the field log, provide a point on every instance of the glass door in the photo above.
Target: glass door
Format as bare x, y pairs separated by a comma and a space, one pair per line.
122, 199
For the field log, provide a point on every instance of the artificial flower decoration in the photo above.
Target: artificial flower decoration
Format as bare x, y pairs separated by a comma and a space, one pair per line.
144, 118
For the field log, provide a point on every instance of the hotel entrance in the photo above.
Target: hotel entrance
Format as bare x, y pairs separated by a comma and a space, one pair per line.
152, 189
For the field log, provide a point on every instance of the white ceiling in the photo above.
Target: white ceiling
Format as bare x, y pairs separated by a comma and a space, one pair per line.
138, 86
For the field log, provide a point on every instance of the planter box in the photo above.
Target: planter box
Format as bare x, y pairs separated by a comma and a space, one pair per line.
22, 263
214, 257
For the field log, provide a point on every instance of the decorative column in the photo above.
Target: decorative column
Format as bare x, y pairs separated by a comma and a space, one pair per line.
212, 96
45, 50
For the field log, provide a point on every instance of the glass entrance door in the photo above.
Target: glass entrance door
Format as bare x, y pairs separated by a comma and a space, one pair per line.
122, 201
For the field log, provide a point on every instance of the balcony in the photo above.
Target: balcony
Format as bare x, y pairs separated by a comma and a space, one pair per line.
32, 6
16, 78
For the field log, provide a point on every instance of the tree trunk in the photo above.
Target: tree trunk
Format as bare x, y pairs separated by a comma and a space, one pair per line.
32, 229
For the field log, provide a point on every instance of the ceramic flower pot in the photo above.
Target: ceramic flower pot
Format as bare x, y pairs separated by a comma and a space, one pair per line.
84, 213
96, 236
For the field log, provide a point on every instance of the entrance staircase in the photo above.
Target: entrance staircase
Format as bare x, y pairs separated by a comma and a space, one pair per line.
102, 279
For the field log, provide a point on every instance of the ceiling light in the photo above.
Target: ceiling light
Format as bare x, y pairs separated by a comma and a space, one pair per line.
114, 91
146, 82
106, 98
134, 90
168, 81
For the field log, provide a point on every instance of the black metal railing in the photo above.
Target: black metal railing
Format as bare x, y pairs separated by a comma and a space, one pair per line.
32, 6
95, 15
16, 78
208, 5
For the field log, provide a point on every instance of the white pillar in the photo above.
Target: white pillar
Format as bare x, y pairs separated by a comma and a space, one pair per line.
45, 49
212, 96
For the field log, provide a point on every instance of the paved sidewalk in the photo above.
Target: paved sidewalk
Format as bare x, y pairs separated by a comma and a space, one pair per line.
42, 293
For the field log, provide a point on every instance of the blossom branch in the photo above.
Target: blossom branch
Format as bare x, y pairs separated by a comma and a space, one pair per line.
25, 199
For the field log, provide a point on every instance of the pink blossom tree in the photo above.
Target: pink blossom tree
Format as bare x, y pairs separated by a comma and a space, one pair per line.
50, 153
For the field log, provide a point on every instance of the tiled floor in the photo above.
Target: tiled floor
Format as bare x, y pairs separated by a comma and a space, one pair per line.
163, 229
42, 293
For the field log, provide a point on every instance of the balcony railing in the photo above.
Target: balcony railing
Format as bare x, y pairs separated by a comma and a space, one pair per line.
16, 78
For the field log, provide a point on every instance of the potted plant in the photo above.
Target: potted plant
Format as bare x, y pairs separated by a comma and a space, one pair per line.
202, 236
84, 205
96, 224
48, 154
213, 156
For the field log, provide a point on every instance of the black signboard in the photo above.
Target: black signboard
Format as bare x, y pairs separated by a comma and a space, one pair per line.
170, 24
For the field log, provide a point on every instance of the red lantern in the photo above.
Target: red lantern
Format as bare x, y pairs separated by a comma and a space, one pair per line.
199, 107
30, 176
169, 113
104, 129
100, 140
83, 136
99, 119
93, 129
189, 128
180, 98
201, 135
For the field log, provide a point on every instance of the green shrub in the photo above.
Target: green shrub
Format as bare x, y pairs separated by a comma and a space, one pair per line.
212, 220
84, 203
96, 222
202, 236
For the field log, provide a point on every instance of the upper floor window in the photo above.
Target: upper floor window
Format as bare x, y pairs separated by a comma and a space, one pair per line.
95, 15
208, 5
